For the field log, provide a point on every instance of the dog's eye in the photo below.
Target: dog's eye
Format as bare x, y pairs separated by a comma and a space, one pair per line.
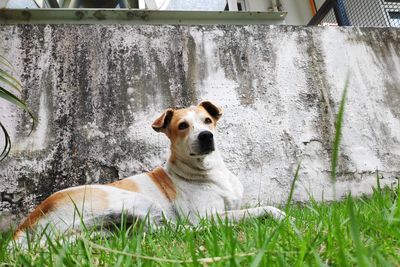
207, 121
183, 125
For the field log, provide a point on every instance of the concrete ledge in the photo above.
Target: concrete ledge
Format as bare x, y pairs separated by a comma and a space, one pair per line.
133, 16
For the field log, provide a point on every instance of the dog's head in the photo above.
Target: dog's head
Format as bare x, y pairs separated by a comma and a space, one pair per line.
191, 130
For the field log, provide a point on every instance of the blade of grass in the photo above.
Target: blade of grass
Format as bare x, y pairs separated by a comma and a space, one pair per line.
338, 131
257, 259
378, 192
86, 253
335, 154
192, 247
360, 251
80, 214
382, 261
296, 175
339, 237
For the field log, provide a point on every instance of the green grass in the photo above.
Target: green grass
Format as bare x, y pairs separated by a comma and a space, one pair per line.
368, 234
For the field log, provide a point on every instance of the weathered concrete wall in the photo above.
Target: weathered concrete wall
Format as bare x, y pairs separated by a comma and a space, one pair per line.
97, 89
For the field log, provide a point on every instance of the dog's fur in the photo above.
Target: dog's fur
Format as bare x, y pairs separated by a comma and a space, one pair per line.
194, 183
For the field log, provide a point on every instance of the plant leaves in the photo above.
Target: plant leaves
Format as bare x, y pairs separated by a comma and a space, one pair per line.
10, 97
6, 63
10, 80
7, 143
360, 251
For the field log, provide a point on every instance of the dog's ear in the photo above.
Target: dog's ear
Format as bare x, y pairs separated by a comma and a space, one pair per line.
161, 124
212, 109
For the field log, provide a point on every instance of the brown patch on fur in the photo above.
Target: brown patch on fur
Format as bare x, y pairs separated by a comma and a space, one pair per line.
163, 182
126, 184
214, 120
173, 131
45, 207
73, 195
162, 122
174, 134
212, 109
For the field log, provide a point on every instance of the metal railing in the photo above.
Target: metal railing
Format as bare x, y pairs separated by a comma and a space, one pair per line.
362, 13
194, 5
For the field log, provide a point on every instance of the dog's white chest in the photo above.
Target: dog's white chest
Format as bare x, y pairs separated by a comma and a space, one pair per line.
197, 199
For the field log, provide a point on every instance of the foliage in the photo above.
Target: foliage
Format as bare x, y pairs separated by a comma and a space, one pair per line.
8, 81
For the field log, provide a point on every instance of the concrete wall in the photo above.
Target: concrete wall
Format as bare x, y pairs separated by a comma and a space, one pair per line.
97, 89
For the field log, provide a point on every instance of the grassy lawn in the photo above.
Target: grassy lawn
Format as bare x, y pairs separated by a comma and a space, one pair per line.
360, 232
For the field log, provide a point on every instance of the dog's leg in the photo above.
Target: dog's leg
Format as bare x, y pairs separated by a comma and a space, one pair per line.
87, 207
237, 215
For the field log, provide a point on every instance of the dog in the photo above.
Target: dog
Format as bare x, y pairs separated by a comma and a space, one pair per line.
194, 184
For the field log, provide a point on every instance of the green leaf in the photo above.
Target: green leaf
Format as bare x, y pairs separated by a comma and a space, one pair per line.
338, 233
10, 97
335, 153
5, 62
10, 80
7, 143
360, 251
296, 175
257, 259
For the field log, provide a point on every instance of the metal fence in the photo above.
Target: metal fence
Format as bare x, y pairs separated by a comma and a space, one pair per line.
363, 13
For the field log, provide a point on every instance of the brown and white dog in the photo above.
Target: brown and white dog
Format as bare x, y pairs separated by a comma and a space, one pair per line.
194, 183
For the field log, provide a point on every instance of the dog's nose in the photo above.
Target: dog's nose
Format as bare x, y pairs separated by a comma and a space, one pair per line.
205, 136
206, 142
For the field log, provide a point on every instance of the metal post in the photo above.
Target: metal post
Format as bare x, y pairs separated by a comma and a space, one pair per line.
74, 3
124, 4
322, 12
53, 3
65, 3
274, 5
151, 4
340, 13
232, 5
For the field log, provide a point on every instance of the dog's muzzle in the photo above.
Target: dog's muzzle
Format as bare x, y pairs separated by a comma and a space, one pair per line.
206, 142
